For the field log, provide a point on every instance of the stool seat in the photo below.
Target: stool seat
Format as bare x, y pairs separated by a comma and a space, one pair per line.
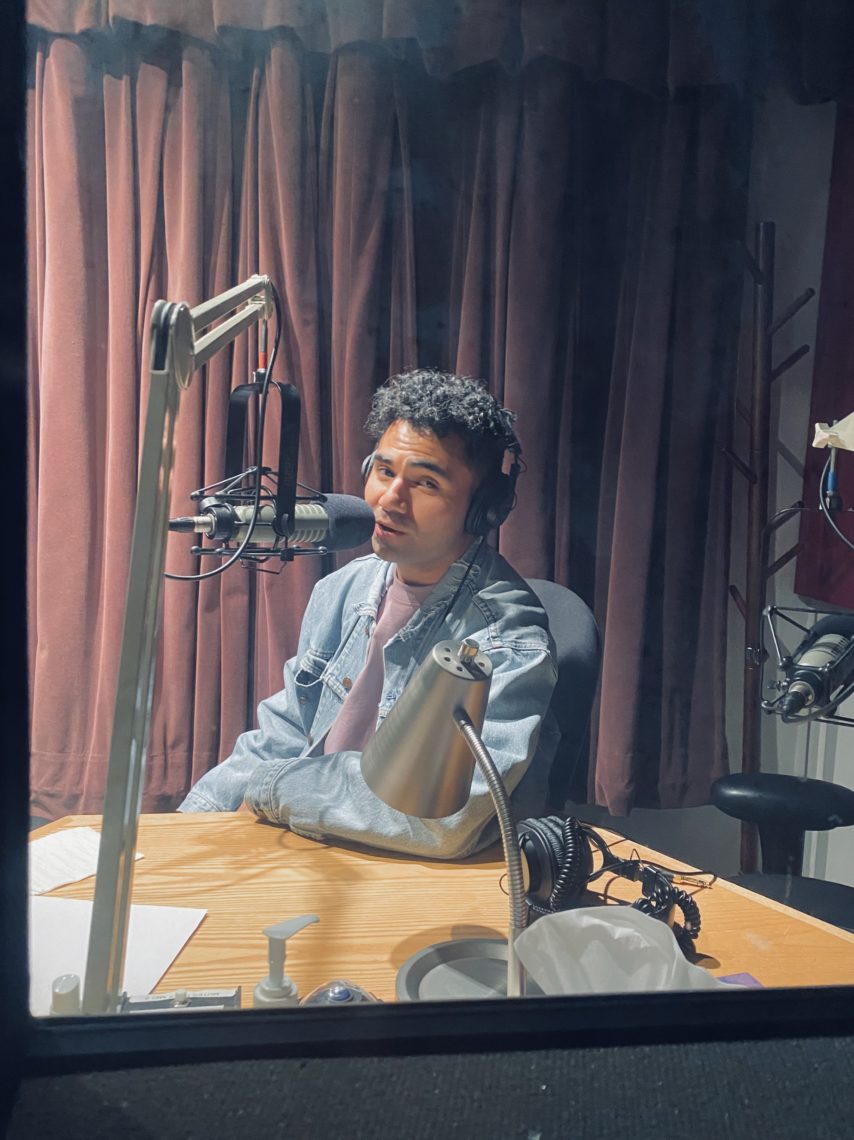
770, 797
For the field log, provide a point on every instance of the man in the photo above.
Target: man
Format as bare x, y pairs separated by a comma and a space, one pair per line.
436, 486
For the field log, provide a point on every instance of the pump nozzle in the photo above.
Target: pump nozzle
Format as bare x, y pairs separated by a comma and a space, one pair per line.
277, 989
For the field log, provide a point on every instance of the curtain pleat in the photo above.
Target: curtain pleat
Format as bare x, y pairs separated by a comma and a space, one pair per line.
663, 546
68, 183
280, 222
540, 292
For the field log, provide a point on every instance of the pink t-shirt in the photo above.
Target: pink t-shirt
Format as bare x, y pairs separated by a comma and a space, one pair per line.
357, 721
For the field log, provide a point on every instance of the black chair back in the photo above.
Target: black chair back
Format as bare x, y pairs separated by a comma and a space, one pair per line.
578, 645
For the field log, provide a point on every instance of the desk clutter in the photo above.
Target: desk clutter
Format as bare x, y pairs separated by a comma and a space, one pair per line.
379, 912
559, 855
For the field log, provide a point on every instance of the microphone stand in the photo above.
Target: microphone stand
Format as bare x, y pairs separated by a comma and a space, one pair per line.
178, 347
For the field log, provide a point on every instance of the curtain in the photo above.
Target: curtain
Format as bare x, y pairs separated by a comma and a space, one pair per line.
824, 571
420, 194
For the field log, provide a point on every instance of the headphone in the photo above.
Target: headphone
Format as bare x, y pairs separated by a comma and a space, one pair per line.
493, 500
558, 854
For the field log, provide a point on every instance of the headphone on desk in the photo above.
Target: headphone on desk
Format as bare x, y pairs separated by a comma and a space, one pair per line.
558, 854
493, 500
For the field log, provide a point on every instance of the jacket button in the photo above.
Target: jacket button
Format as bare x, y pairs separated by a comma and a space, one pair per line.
347, 683
310, 738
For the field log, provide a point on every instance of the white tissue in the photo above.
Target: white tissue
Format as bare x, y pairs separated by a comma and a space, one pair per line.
840, 434
600, 950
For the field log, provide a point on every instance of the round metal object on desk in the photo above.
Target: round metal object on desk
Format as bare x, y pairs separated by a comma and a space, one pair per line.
339, 992
461, 968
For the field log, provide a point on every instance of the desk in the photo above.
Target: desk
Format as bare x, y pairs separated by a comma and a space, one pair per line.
377, 909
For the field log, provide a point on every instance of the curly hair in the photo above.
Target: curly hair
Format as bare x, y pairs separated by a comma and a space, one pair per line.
444, 403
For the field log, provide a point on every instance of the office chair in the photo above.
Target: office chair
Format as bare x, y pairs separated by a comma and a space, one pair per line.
784, 808
578, 645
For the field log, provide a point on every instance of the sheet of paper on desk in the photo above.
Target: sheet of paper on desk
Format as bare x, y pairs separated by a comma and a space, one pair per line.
64, 857
59, 944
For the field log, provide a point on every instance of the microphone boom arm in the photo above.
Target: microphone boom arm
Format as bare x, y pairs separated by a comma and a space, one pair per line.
178, 347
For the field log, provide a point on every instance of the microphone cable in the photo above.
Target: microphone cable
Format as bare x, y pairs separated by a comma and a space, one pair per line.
822, 489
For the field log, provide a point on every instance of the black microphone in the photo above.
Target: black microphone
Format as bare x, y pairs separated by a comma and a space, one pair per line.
821, 665
340, 522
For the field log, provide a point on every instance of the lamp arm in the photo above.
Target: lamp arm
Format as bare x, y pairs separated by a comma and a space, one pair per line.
510, 843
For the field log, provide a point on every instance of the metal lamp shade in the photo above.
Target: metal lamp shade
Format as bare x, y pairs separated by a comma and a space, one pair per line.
418, 762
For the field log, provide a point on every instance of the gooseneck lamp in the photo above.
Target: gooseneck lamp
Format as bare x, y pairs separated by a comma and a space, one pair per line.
421, 762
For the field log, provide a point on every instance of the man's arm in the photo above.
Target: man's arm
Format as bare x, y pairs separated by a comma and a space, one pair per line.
325, 796
281, 734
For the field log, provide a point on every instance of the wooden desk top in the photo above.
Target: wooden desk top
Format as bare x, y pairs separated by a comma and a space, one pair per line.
377, 909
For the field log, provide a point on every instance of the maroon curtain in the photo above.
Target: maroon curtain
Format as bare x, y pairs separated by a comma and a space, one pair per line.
663, 512
570, 240
595, 276
825, 568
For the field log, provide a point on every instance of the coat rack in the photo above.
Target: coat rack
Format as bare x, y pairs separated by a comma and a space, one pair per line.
760, 265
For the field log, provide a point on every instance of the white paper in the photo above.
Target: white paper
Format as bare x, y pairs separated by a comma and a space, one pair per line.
613, 949
840, 434
63, 857
59, 944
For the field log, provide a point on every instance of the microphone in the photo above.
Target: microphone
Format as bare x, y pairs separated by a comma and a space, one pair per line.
821, 666
340, 522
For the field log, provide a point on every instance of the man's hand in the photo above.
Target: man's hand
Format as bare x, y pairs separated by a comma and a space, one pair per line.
245, 807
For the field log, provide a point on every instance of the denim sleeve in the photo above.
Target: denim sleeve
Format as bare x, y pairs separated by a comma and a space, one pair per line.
325, 796
280, 735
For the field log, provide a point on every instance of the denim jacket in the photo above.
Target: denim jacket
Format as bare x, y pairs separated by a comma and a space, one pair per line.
279, 768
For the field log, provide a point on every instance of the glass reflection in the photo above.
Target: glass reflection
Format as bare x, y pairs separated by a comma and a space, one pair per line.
529, 203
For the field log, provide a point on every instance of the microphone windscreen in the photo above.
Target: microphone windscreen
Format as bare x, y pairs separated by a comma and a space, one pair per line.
351, 522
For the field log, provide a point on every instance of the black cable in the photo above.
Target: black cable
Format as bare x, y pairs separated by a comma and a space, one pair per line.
610, 860
660, 898
259, 445
576, 866
463, 580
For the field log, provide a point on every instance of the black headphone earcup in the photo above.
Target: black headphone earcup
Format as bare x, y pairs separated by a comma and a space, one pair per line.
490, 505
559, 861
541, 843
474, 516
492, 502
